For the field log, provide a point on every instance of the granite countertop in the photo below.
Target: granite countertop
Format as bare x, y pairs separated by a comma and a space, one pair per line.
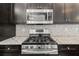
67, 40
59, 40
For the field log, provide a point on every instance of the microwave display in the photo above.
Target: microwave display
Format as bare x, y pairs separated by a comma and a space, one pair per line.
39, 17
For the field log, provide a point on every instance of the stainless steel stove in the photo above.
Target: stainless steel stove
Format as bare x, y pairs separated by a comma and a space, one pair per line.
39, 43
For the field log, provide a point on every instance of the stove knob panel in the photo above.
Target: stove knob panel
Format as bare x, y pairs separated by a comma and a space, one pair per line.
26, 47
49, 46
23, 46
39, 47
46, 47
31, 47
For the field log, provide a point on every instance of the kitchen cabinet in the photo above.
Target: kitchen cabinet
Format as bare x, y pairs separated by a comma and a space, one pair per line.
68, 50
6, 13
7, 31
71, 12
7, 22
10, 50
58, 14
39, 5
66, 13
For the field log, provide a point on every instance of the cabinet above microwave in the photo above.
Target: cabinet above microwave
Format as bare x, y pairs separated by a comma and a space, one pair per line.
39, 16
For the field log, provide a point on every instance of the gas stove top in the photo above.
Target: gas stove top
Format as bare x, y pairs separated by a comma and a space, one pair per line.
39, 39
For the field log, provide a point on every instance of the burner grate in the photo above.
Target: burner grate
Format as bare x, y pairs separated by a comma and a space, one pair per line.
39, 40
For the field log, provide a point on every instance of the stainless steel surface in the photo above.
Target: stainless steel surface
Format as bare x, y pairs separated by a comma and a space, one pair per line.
39, 31
39, 10
39, 16
39, 49
39, 22
39, 5
20, 14
39, 43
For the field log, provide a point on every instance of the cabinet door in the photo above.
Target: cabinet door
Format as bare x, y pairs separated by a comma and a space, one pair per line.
10, 50
7, 26
68, 50
59, 13
39, 5
7, 31
11, 14
72, 13
6, 13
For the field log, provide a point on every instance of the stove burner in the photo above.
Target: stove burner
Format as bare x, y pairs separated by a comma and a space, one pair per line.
40, 39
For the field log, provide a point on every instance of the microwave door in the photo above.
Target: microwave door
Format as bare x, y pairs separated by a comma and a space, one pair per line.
37, 16
50, 16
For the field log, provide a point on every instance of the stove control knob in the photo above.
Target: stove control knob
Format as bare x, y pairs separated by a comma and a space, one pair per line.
31, 47
26, 47
49, 46
39, 47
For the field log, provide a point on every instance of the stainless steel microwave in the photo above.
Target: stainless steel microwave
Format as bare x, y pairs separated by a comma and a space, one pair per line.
39, 16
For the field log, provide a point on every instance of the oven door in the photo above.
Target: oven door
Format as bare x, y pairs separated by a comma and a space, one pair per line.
39, 49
